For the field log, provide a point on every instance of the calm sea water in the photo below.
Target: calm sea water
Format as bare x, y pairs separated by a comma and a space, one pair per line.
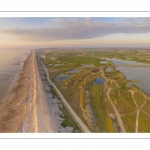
11, 62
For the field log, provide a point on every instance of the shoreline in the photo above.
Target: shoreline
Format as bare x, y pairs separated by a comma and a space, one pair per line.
28, 106
8, 94
13, 108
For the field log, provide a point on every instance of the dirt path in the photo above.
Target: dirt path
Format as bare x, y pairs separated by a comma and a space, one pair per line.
138, 110
74, 84
116, 83
137, 113
73, 113
112, 104
115, 109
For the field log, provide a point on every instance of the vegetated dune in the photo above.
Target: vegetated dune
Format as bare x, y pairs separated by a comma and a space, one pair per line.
14, 108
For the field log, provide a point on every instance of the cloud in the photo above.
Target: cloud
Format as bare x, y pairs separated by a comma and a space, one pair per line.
80, 28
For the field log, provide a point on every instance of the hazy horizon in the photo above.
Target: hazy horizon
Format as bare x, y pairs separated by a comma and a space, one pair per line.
31, 33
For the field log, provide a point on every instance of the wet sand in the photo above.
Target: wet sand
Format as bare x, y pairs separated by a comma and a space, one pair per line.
12, 109
10, 66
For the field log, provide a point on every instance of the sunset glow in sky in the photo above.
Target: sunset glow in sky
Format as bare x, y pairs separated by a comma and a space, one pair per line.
28, 33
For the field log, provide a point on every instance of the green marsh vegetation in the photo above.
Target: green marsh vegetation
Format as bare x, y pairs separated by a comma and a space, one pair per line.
82, 94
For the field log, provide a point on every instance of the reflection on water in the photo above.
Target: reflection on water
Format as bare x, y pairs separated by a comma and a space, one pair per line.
74, 71
99, 81
62, 77
119, 62
11, 62
137, 73
141, 74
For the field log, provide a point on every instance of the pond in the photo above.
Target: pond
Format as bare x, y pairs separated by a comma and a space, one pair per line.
87, 66
73, 71
62, 77
99, 81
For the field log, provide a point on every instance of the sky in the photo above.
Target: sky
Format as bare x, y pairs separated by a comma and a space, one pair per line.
30, 33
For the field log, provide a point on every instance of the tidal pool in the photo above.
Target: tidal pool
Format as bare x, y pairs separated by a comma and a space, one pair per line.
73, 71
99, 81
62, 77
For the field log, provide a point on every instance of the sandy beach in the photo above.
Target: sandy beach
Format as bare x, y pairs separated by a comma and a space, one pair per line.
19, 109
28, 107
37, 116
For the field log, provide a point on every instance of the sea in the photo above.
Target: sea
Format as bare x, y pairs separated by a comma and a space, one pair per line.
11, 62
